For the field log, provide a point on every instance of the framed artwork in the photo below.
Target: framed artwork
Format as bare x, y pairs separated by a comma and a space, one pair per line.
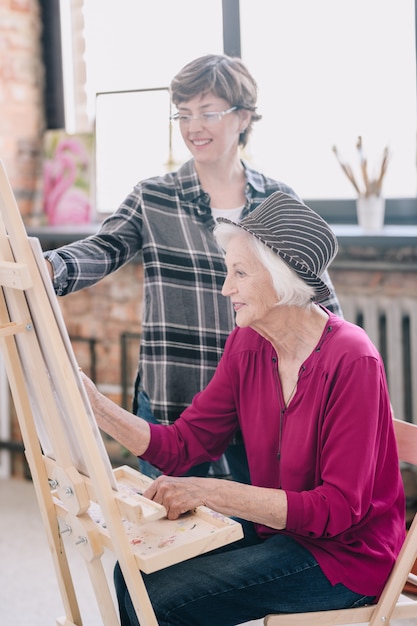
68, 178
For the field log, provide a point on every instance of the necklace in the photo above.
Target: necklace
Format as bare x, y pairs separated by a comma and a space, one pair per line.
290, 397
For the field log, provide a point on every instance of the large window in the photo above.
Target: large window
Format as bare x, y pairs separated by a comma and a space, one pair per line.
328, 71
139, 44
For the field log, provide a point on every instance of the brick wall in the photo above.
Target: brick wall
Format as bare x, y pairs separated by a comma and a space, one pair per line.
102, 313
21, 111
21, 99
393, 283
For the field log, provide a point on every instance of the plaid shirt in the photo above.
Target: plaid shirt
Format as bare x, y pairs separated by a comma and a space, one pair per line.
186, 320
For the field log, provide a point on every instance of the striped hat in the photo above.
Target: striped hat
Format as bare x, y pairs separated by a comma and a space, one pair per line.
297, 234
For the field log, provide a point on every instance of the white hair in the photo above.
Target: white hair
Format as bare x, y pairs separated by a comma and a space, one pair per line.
291, 290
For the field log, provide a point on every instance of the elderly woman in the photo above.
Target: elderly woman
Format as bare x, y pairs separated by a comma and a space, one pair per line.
324, 515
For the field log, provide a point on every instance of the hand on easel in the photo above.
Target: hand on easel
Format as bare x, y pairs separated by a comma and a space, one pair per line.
50, 269
130, 431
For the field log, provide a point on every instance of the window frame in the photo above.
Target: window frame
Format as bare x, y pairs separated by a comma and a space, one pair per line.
399, 211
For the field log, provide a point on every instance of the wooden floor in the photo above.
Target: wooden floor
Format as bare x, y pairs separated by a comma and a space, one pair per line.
29, 594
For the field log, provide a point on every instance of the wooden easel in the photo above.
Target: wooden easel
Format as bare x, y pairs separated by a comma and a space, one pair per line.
77, 490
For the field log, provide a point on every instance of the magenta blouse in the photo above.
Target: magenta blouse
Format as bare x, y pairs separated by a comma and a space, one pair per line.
333, 450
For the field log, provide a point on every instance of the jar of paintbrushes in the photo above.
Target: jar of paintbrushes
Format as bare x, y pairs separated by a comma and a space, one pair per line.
370, 202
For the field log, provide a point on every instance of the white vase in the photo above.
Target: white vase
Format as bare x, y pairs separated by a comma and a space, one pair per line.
371, 212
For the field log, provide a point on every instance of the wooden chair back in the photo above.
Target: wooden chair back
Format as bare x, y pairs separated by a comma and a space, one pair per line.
392, 604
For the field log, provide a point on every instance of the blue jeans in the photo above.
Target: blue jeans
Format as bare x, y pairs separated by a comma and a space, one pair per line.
237, 583
235, 454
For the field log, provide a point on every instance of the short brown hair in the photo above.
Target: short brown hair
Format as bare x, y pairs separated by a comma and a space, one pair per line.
226, 77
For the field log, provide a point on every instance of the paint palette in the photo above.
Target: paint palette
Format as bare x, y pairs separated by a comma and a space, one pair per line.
158, 542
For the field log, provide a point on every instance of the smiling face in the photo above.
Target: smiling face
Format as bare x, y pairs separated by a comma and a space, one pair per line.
214, 141
248, 284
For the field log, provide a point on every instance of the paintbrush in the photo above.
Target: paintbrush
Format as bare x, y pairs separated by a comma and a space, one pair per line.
363, 162
347, 170
384, 165
371, 186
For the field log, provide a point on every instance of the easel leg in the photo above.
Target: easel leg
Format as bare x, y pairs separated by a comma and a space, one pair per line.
62, 571
38, 472
86, 539
102, 593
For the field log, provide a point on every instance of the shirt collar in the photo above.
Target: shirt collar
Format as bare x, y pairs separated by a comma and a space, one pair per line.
254, 179
188, 183
191, 190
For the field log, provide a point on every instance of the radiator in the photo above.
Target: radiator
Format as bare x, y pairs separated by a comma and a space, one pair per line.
391, 324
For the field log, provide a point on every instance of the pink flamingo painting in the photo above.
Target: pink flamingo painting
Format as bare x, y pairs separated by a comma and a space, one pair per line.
65, 199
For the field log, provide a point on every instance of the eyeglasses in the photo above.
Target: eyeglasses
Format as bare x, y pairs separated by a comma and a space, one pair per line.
207, 118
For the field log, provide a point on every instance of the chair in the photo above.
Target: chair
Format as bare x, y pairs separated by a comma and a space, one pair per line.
392, 603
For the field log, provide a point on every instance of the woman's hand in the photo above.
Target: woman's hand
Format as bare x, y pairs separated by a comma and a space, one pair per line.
130, 431
179, 495
50, 269
89, 386
255, 504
